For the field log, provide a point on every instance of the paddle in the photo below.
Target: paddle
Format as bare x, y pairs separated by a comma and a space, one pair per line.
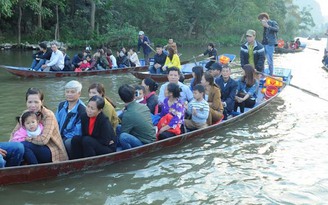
150, 47
313, 49
294, 86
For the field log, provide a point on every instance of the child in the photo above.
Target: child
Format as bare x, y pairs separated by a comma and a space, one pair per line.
140, 90
198, 108
30, 127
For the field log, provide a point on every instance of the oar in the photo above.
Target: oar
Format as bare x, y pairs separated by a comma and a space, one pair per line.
150, 47
294, 86
313, 49
187, 61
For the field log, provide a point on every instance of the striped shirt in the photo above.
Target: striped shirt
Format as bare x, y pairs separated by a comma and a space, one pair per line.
202, 110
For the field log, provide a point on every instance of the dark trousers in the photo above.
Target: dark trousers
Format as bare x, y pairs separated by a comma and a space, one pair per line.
247, 103
208, 64
165, 135
87, 146
35, 154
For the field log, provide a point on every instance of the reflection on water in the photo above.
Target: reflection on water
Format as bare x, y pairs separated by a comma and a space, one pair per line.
276, 156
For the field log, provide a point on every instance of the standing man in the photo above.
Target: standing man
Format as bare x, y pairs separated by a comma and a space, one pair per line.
144, 42
212, 53
252, 52
56, 62
269, 37
159, 61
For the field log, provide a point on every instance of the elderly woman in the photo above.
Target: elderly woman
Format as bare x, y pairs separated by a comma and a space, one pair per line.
98, 136
48, 146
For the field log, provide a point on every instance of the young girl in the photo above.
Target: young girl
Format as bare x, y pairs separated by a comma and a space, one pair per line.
30, 127
140, 91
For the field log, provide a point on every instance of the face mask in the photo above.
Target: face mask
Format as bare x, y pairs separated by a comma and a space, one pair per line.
121, 54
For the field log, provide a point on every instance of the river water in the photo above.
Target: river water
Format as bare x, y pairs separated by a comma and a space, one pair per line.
277, 156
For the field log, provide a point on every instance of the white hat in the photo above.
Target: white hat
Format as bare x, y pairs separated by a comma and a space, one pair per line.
141, 33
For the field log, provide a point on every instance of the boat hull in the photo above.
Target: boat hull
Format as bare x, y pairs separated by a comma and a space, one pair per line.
156, 77
30, 173
26, 73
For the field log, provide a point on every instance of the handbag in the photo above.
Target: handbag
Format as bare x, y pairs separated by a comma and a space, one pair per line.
165, 120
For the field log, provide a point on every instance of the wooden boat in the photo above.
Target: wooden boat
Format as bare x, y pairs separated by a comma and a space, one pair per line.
26, 73
186, 70
156, 77
30, 173
288, 50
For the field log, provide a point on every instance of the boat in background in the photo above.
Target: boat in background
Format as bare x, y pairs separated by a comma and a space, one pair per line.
186, 69
30, 173
27, 73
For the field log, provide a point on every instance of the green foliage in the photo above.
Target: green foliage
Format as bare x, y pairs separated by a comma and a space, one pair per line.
188, 22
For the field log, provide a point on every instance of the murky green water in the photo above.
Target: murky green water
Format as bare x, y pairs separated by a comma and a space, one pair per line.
277, 156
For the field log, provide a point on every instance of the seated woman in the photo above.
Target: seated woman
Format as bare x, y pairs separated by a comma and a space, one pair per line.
213, 95
150, 96
133, 57
247, 89
98, 136
197, 73
122, 60
48, 146
172, 60
109, 108
172, 114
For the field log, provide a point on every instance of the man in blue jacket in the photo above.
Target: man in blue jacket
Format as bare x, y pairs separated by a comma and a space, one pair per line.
144, 42
252, 52
228, 87
69, 114
269, 37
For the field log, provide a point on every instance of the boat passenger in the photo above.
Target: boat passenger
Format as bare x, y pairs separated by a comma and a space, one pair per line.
159, 61
41, 57
172, 60
30, 127
325, 58
56, 62
197, 73
198, 108
270, 29
215, 70
133, 57
112, 58
48, 146
11, 154
212, 54
252, 52
144, 43
171, 44
297, 43
139, 97
172, 113
122, 60
247, 89
98, 136
77, 60
110, 63
213, 97
228, 87
150, 96
109, 108
173, 77
102, 62
67, 61
136, 127
69, 114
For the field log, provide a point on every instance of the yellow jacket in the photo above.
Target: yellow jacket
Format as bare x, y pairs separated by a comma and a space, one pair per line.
175, 62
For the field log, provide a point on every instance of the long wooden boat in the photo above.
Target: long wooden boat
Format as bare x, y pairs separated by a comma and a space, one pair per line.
288, 50
26, 73
30, 173
186, 70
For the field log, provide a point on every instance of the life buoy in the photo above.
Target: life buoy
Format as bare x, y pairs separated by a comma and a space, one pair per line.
269, 91
224, 59
273, 82
281, 43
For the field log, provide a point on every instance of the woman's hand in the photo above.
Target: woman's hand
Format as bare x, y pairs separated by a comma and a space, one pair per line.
163, 129
3, 152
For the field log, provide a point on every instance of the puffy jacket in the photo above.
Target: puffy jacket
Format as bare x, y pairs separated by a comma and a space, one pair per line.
259, 55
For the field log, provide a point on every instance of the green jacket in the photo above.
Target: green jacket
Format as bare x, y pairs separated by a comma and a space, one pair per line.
137, 121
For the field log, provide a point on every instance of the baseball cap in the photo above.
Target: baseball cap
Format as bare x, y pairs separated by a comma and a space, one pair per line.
141, 33
216, 66
250, 33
